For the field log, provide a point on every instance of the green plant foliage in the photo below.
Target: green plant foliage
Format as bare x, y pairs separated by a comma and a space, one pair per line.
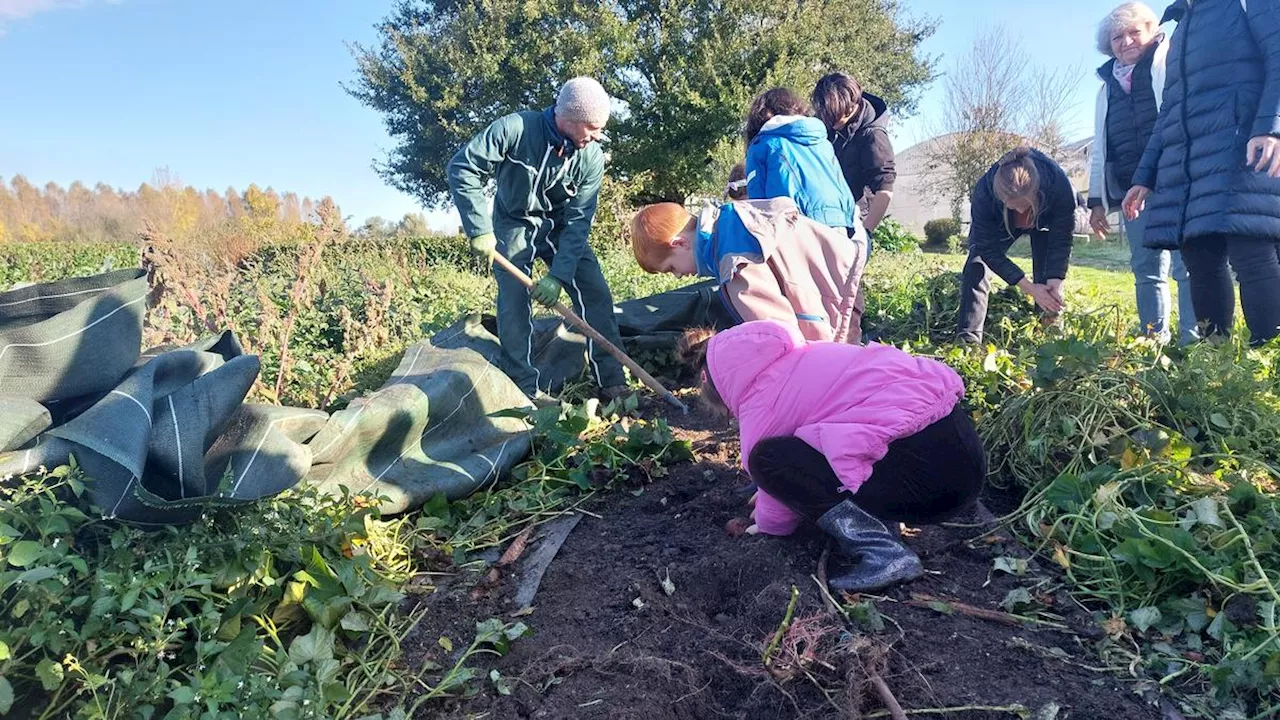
684, 74
891, 236
938, 232
288, 608
1150, 479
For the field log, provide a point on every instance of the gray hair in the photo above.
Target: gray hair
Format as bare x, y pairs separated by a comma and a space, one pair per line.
1126, 16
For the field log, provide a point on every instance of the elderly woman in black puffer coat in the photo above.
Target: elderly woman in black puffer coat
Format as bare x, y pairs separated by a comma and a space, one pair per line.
1210, 177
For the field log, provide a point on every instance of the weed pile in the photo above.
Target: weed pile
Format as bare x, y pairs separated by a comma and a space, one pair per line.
1148, 476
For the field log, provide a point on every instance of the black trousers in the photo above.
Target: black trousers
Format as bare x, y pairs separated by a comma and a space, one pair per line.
975, 286
1256, 262
924, 478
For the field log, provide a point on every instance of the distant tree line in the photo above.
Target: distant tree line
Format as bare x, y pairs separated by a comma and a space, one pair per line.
79, 213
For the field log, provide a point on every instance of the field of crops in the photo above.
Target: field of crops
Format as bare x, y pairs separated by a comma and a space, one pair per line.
1145, 476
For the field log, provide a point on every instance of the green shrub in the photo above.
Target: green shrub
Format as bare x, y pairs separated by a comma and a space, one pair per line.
46, 262
957, 244
938, 232
891, 236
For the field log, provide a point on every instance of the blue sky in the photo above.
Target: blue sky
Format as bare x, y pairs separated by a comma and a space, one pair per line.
240, 91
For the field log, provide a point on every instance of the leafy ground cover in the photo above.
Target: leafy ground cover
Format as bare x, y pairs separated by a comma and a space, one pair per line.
1143, 478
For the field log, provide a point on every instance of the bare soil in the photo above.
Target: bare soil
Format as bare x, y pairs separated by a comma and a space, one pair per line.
609, 642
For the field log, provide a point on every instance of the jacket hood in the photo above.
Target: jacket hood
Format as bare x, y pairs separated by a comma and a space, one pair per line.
555, 139
797, 128
737, 356
722, 234
874, 113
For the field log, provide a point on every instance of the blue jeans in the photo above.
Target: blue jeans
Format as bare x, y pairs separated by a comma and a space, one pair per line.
1151, 271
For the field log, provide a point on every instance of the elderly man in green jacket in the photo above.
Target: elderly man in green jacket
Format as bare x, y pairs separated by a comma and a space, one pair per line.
547, 167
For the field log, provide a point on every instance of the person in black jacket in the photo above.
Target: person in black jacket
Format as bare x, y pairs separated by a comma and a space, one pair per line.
1026, 193
1212, 167
858, 127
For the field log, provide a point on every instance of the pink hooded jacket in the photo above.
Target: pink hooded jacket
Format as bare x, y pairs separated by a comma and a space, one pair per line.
847, 401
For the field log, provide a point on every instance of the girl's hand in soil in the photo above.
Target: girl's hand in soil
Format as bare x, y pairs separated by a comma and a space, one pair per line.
751, 501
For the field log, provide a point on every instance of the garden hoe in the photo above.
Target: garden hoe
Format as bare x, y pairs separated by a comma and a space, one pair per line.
595, 336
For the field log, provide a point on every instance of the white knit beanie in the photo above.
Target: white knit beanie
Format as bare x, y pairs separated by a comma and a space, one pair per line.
583, 100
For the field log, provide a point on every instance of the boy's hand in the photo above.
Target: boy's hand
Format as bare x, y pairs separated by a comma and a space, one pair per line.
546, 292
484, 245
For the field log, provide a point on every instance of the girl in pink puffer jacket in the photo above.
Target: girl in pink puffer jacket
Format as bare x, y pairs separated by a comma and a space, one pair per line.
856, 439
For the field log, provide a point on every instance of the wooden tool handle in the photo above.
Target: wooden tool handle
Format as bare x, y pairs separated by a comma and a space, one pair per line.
592, 333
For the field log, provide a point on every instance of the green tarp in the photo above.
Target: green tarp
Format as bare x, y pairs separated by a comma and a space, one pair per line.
165, 434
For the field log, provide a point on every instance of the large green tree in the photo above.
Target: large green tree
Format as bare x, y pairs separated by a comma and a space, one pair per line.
683, 73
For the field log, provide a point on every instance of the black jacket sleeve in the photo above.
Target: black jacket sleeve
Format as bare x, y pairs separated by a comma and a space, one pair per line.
988, 234
1060, 222
876, 160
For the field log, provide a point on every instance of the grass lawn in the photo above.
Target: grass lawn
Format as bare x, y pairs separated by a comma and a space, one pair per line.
1099, 273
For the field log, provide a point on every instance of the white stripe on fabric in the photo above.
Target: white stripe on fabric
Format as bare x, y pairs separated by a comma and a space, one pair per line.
344, 430
418, 443
417, 355
51, 297
413, 364
528, 351
68, 336
591, 347
123, 495
265, 434
136, 401
177, 436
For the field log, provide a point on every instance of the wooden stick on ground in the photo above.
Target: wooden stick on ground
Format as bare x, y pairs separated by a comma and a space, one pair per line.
886, 696
595, 335
832, 608
931, 602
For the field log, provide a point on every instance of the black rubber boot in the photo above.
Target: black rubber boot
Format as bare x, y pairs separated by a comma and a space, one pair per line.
881, 559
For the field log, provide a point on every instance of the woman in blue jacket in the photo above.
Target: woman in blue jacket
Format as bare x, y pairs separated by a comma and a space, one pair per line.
788, 155
1210, 177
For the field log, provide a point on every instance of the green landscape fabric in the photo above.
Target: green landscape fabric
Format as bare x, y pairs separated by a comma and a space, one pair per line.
651, 323
71, 338
161, 435
429, 429
165, 434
